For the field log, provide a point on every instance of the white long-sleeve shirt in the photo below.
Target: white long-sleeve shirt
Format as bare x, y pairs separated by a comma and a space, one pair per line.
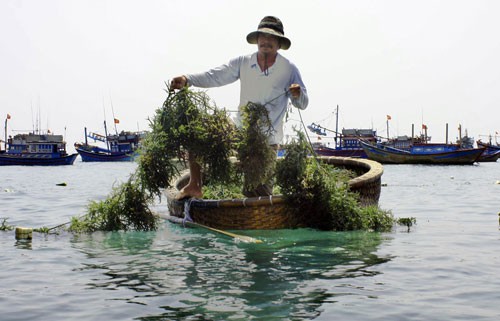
266, 88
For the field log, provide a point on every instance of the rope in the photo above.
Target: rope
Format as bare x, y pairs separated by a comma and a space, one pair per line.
285, 91
307, 135
187, 209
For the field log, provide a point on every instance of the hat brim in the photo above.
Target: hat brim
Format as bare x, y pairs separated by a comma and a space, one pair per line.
284, 41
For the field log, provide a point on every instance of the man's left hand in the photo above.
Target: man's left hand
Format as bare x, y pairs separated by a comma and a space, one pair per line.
294, 90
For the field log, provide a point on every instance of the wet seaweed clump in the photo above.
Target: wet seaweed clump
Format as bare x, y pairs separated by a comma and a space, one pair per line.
406, 221
126, 208
187, 123
257, 159
4, 226
320, 194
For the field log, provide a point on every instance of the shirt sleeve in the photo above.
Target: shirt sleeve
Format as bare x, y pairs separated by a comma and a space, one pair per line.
302, 101
216, 77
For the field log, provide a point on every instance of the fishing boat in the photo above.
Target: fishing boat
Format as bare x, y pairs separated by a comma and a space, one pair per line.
119, 147
268, 212
426, 154
346, 142
36, 149
422, 145
492, 152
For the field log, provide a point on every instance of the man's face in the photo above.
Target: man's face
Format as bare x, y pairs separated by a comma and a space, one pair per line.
268, 44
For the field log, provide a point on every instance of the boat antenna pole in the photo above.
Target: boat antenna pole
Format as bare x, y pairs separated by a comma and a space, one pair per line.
336, 126
113, 112
5, 142
459, 133
32, 118
39, 118
105, 128
387, 121
106, 133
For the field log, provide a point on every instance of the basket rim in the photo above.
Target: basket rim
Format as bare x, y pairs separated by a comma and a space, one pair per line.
373, 174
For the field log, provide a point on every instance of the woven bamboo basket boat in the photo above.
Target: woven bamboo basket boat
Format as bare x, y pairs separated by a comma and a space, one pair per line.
270, 212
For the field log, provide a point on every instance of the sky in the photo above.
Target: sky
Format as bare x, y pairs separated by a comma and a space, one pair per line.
70, 64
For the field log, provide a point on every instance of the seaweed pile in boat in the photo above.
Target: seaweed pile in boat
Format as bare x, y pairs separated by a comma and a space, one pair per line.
321, 192
256, 157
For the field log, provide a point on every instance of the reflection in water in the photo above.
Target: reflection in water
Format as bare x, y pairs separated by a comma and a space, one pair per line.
192, 274
24, 244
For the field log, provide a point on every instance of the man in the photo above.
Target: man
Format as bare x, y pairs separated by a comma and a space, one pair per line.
266, 78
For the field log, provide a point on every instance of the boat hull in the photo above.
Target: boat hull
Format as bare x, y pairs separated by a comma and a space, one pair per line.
491, 154
36, 159
339, 152
489, 157
387, 155
89, 156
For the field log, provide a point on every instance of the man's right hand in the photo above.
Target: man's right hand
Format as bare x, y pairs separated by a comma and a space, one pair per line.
178, 82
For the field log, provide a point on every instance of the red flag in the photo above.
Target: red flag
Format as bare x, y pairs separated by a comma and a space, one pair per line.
424, 126
389, 117
8, 116
117, 121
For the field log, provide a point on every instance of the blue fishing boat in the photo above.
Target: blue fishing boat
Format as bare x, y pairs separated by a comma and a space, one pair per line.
36, 149
429, 154
492, 152
121, 147
346, 142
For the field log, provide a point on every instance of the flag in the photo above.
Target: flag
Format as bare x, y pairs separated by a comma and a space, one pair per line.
389, 117
8, 116
117, 121
424, 126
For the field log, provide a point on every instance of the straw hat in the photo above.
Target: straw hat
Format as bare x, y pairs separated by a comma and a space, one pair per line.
272, 26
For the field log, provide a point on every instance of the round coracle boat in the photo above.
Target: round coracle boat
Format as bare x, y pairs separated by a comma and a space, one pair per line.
269, 212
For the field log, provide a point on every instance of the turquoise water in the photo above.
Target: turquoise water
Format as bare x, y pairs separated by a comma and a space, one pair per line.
445, 268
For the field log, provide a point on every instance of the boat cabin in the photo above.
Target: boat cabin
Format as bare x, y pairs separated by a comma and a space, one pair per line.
350, 137
36, 144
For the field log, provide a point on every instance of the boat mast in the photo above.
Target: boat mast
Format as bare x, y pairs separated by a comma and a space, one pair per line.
5, 142
106, 134
387, 121
337, 127
105, 128
446, 141
113, 112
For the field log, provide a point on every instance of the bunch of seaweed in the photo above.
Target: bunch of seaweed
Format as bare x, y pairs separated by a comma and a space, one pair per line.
186, 123
126, 208
257, 158
4, 226
321, 192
